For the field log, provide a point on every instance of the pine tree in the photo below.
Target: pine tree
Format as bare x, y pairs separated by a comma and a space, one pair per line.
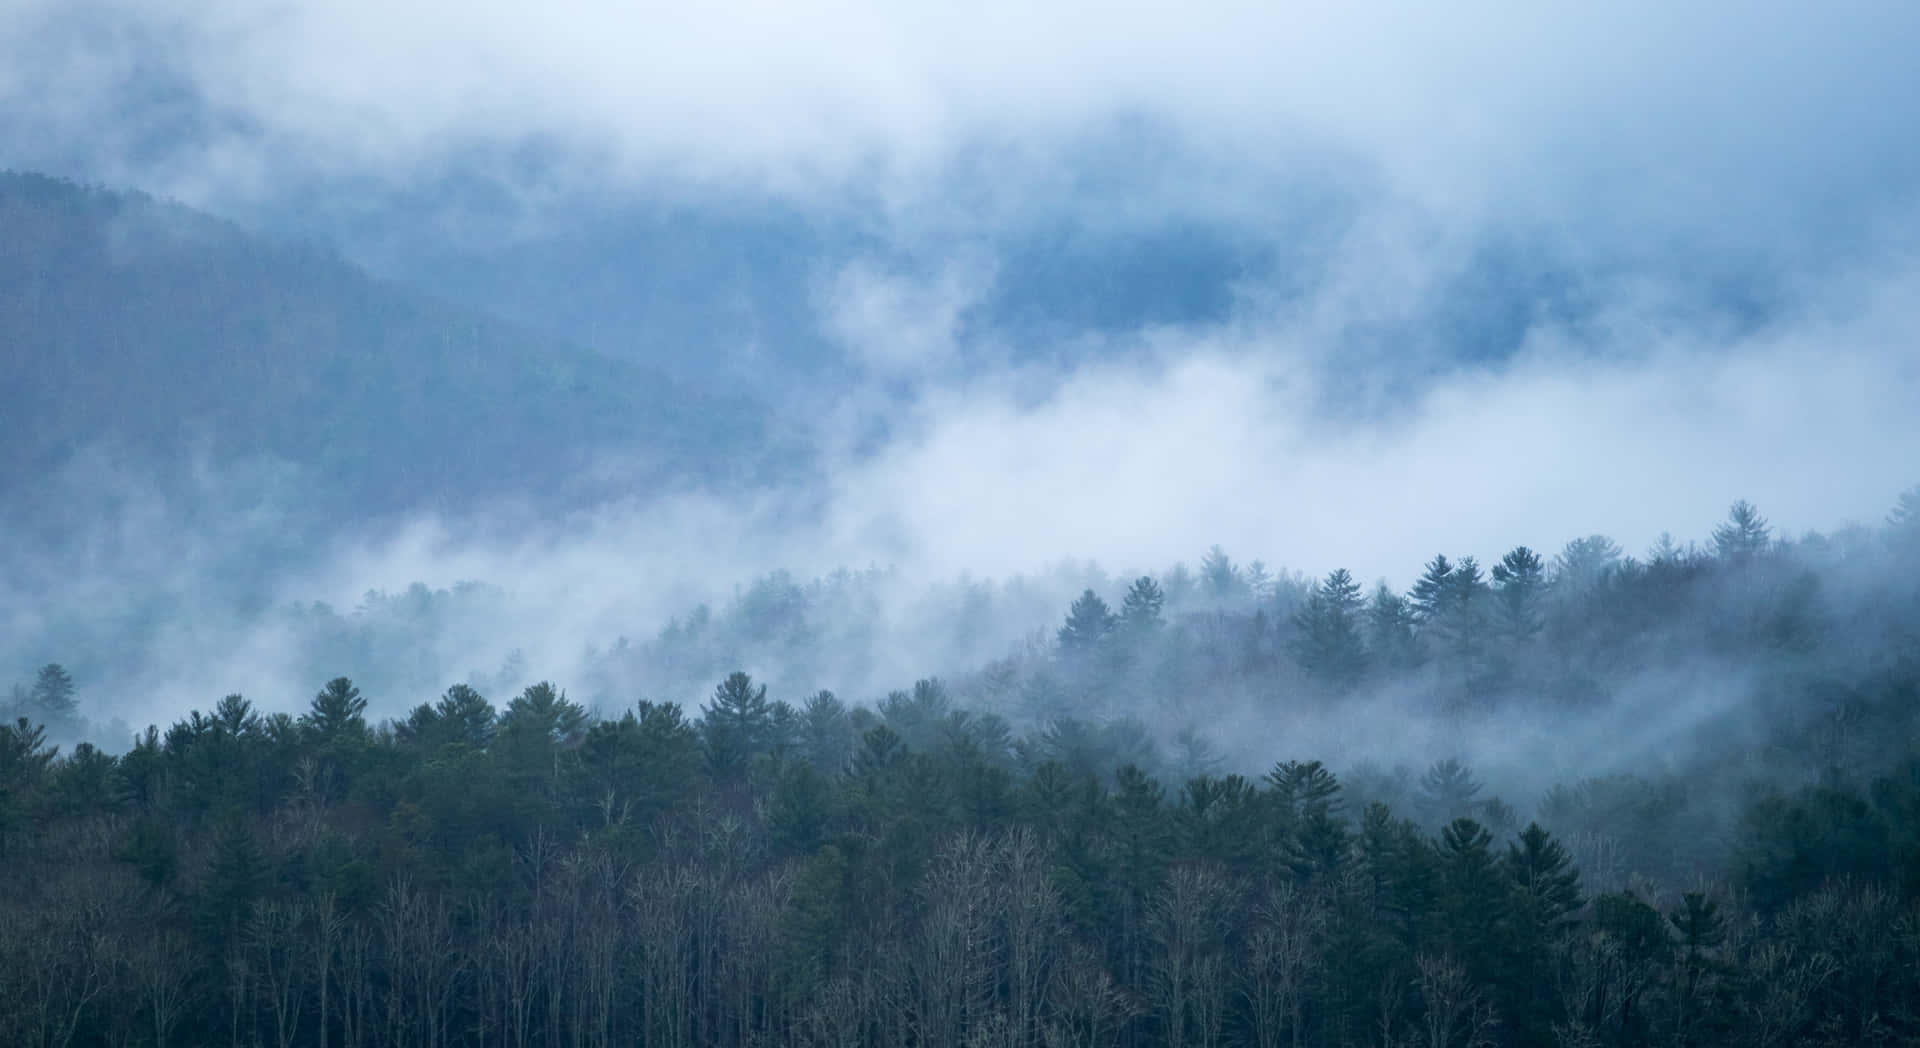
235, 716
1447, 791
337, 714
1546, 886
1446, 601
1700, 972
1220, 576
462, 717
1140, 611
1517, 580
1583, 562
1089, 621
1328, 644
735, 725
52, 694
24, 754
1474, 906
1546, 895
542, 712
466, 717
1430, 593
237, 874
826, 733
1390, 641
1744, 536
918, 716
1259, 581
1465, 583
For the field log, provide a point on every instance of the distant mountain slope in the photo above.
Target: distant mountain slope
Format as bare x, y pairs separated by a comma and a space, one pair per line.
163, 333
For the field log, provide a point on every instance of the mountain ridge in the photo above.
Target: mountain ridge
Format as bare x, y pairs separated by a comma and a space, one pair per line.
180, 331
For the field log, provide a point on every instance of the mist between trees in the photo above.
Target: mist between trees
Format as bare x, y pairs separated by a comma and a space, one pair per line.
1576, 799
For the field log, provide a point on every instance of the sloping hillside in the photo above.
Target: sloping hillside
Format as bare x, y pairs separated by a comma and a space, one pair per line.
161, 333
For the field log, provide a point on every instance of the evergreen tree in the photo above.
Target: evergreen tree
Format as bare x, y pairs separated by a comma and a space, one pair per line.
1474, 906
535, 730
235, 716
1220, 577
1089, 621
1546, 898
736, 725
826, 733
1745, 534
919, 716
237, 875
466, 717
1141, 610
1446, 601
1701, 984
540, 712
338, 714
1259, 581
1465, 584
1390, 641
1583, 562
52, 695
461, 717
1428, 598
1448, 791
1518, 580
1328, 643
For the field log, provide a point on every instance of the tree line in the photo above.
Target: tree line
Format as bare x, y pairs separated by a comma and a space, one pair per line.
928, 870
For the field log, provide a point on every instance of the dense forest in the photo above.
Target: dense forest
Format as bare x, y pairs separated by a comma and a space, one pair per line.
1582, 799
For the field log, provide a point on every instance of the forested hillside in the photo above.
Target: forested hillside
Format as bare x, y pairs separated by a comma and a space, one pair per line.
157, 334
1585, 799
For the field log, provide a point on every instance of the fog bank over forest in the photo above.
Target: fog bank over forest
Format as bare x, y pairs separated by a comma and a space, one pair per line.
1020, 483
1029, 523
853, 359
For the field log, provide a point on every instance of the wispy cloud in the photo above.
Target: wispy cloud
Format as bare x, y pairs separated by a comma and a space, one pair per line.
1641, 111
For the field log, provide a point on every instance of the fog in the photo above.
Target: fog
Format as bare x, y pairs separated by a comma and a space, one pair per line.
1712, 213
1019, 489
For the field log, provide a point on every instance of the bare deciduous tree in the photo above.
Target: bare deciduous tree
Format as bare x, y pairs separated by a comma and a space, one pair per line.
1281, 951
1189, 921
1456, 1012
1089, 1009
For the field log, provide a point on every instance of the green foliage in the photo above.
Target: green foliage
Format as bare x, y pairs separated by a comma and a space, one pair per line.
338, 715
1089, 622
736, 725
462, 717
1328, 643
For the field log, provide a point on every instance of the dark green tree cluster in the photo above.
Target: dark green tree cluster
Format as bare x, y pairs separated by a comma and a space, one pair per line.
910, 875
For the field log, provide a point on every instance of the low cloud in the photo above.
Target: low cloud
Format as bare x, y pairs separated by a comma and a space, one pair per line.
1727, 124
902, 324
1237, 434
